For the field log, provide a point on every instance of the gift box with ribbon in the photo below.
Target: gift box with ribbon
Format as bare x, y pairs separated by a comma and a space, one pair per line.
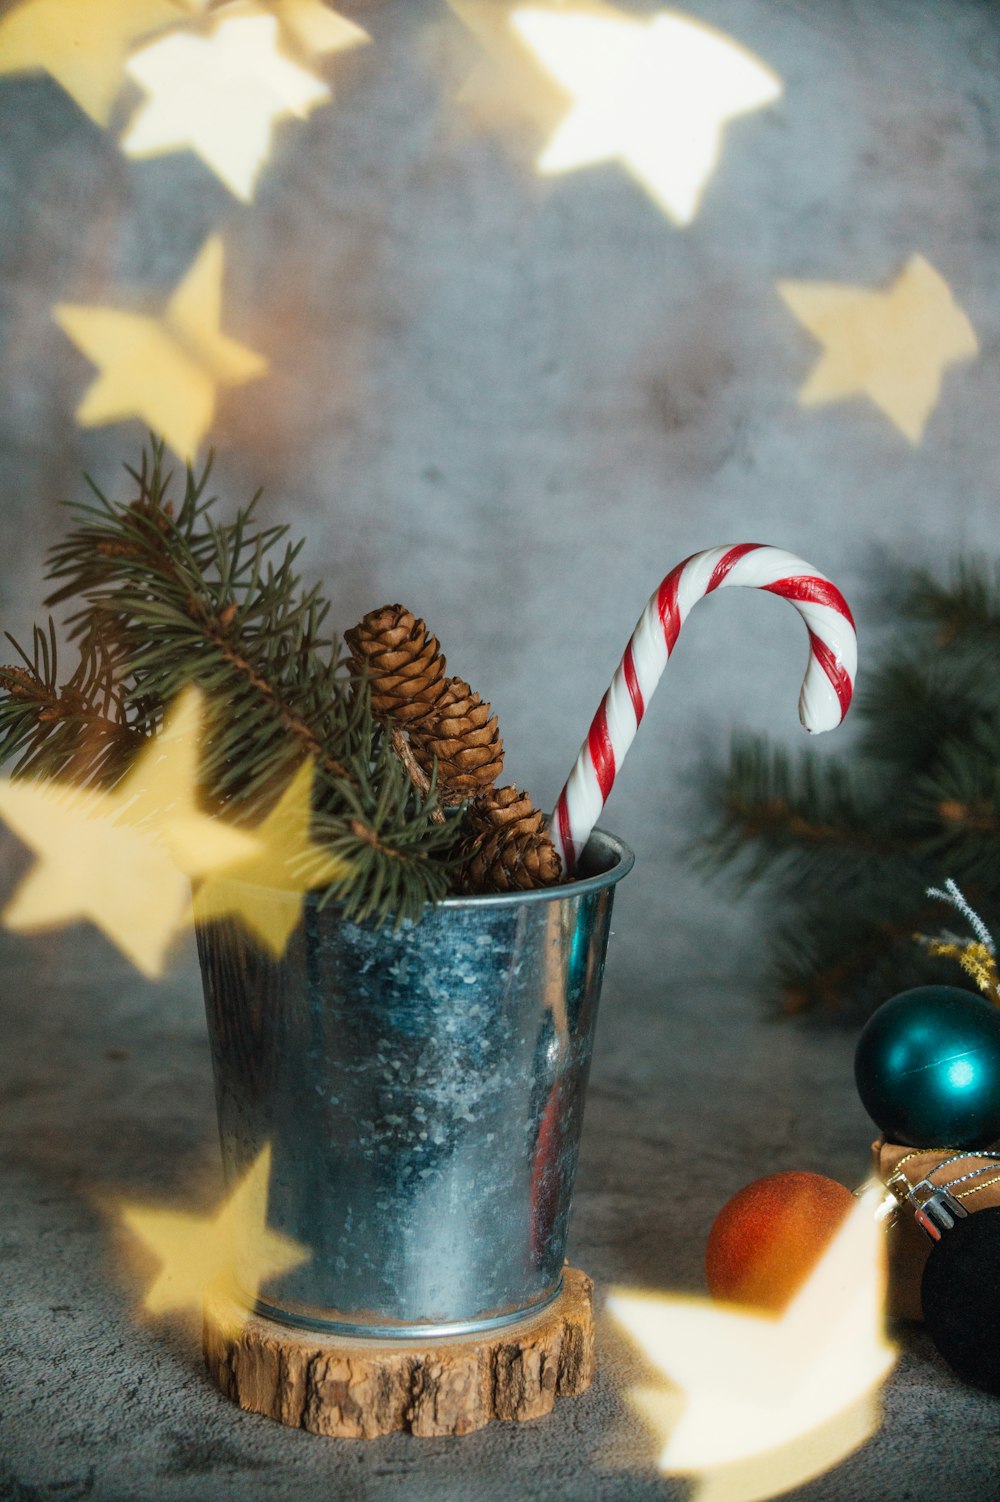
933, 1187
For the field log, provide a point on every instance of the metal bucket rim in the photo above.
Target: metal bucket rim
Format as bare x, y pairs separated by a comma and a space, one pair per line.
601, 842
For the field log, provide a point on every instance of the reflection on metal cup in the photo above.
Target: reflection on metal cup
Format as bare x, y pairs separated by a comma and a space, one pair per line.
422, 1090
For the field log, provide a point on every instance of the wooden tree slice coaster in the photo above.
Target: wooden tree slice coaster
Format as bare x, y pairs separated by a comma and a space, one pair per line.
358, 1389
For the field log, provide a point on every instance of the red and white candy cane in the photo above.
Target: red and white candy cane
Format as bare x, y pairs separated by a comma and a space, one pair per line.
823, 701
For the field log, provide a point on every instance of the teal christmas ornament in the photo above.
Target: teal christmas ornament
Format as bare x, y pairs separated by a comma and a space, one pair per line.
928, 1068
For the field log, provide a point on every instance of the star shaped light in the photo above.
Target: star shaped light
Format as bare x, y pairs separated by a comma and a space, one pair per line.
197, 1251
122, 859
890, 346
265, 890
315, 29
306, 27
164, 370
220, 95
769, 1402
507, 84
653, 95
83, 44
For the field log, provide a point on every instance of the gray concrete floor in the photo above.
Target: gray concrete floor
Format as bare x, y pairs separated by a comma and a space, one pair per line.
107, 1096
513, 402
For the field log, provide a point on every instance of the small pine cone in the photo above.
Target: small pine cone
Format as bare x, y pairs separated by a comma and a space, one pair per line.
508, 848
463, 734
405, 666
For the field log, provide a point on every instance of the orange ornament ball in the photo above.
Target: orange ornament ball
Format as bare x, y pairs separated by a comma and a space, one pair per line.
768, 1238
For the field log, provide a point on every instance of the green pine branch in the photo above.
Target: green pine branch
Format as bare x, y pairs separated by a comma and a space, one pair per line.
81, 729
844, 965
776, 815
966, 607
166, 596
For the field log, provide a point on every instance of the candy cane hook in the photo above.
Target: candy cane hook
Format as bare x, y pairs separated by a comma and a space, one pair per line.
823, 701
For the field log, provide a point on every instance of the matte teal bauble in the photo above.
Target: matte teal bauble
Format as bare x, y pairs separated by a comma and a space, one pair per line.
928, 1068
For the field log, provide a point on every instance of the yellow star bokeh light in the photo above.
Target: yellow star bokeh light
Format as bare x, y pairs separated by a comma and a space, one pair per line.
652, 95
890, 346
165, 371
769, 1402
234, 1244
264, 891
308, 26
122, 859
83, 44
507, 84
219, 94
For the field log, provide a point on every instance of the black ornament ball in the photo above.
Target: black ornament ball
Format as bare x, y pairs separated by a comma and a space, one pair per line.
928, 1068
960, 1292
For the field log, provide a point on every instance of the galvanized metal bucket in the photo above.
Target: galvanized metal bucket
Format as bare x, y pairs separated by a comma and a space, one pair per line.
422, 1093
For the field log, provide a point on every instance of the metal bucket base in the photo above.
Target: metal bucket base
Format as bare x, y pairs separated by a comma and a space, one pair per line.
358, 1389
396, 1333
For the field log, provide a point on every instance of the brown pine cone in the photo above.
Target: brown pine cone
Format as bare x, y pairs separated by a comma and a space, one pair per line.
508, 847
405, 665
462, 733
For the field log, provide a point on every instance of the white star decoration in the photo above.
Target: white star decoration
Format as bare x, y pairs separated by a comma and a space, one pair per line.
220, 95
652, 95
770, 1402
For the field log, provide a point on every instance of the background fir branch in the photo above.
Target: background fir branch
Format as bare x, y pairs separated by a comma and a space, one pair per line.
915, 701
847, 848
967, 605
956, 802
777, 816
167, 598
816, 972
